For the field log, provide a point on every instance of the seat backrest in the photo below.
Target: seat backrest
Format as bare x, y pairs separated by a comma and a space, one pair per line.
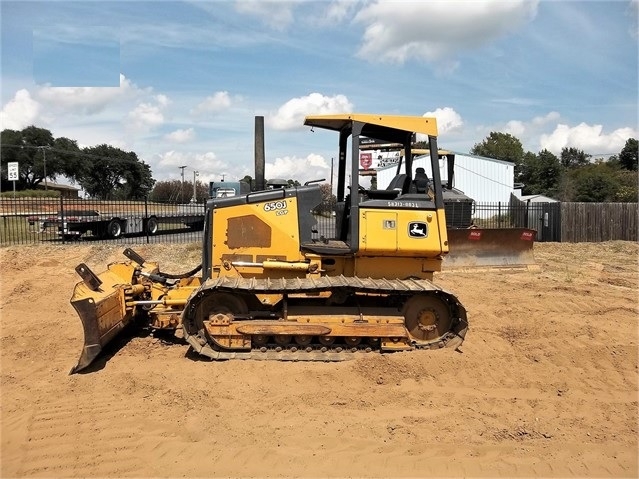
421, 181
399, 183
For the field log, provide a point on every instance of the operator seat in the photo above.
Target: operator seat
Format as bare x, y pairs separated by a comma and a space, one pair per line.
421, 181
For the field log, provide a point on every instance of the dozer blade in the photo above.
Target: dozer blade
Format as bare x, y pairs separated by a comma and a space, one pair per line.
100, 302
488, 248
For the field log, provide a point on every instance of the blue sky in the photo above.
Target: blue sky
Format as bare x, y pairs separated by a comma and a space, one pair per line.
180, 83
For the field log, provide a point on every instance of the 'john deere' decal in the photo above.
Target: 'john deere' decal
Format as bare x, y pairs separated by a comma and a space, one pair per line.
417, 229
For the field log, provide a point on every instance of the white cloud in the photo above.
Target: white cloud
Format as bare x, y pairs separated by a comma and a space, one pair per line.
553, 116
313, 167
87, 100
208, 165
589, 138
277, 15
339, 10
181, 136
434, 31
515, 128
216, 103
291, 114
20, 112
527, 131
447, 119
148, 115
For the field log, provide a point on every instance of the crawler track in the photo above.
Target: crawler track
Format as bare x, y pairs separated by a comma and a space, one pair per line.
392, 294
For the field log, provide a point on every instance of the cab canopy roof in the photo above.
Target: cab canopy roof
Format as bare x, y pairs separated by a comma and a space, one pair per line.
341, 122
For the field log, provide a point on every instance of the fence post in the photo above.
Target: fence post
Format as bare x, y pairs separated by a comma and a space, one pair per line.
499, 214
62, 215
146, 218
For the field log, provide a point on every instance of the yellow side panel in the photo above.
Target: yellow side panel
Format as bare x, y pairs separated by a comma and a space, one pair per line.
380, 231
248, 232
402, 233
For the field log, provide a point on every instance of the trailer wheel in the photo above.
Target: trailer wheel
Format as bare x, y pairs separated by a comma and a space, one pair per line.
114, 228
152, 225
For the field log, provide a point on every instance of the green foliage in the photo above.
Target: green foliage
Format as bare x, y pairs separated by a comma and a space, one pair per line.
541, 173
628, 156
573, 176
250, 181
627, 186
573, 158
29, 148
111, 173
594, 183
501, 146
31, 194
103, 171
328, 200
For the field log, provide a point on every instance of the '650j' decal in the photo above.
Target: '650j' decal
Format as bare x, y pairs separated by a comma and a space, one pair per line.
275, 205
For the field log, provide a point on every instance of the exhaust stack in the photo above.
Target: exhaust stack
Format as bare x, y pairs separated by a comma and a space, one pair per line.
260, 158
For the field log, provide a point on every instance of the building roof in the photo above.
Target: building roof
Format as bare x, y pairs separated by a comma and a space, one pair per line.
538, 199
458, 153
56, 186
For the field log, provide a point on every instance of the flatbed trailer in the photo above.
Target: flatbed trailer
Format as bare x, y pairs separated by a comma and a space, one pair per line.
75, 224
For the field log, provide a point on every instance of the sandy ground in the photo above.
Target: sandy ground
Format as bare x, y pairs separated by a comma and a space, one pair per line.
545, 386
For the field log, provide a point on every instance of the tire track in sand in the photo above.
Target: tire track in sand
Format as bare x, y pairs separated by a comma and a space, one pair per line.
67, 438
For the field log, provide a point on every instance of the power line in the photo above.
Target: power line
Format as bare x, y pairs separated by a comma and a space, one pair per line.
72, 152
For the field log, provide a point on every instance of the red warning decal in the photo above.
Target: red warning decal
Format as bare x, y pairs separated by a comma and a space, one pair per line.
527, 235
366, 160
474, 235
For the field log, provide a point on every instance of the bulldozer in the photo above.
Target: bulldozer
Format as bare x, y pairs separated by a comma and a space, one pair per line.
269, 288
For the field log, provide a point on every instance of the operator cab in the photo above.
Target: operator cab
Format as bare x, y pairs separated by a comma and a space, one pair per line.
405, 192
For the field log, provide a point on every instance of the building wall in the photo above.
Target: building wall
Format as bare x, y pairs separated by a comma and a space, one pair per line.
483, 179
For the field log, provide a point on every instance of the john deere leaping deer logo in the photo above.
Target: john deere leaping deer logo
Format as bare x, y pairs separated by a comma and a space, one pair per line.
417, 229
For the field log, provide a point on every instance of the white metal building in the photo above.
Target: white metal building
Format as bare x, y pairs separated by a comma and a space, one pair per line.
486, 180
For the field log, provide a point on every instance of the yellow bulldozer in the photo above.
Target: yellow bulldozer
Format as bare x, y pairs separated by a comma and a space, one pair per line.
268, 288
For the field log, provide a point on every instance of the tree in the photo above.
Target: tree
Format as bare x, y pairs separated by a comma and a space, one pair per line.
173, 191
573, 158
39, 155
328, 200
249, 181
111, 173
627, 190
501, 146
541, 173
628, 155
28, 147
595, 183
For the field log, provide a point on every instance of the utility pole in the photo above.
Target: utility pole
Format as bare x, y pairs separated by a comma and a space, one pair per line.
332, 175
44, 149
182, 186
195, 175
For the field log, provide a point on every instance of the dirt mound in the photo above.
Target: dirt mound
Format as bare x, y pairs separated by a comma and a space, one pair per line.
545, 384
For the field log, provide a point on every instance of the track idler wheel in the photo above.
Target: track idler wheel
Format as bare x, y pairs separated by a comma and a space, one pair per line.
427, 317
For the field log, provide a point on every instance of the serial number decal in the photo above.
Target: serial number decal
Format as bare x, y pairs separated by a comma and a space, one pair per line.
275, 206
403, 204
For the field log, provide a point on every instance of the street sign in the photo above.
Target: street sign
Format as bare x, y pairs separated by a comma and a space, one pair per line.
12, 171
